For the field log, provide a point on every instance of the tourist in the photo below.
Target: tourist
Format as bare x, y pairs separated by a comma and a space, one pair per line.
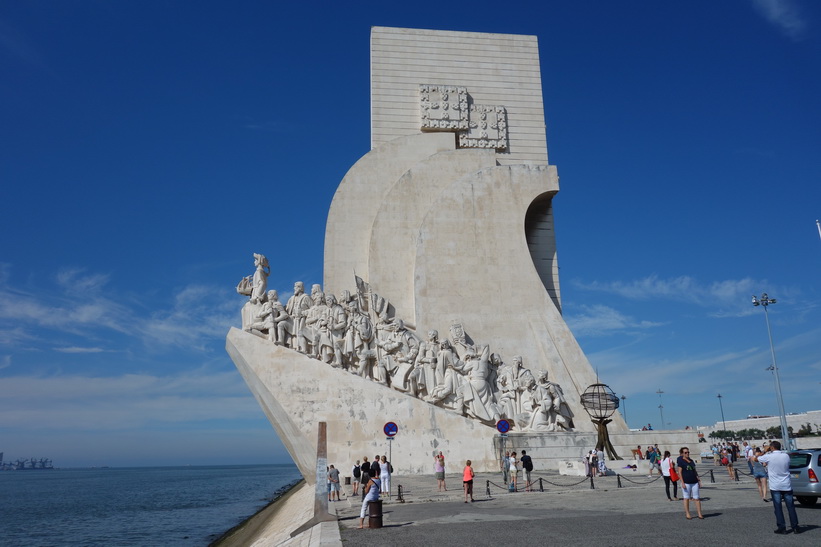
654, 458
690, 482
385, 470
527, 465
356, 473
748, 455
375, 467
467, 481
371, 494
600, 457
333, 477
366, 475
439, 470
759, 474
668, 471
778, 471
728, 455
514, 471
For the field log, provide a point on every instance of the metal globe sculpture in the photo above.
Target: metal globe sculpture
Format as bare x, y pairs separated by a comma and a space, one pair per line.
601, 402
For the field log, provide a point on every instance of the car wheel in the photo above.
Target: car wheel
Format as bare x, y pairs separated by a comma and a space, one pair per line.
809, 501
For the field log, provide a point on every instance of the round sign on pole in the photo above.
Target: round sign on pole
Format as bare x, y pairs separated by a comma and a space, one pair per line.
390, 429
503, 426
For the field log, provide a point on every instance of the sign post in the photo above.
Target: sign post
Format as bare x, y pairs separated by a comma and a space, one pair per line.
390, 429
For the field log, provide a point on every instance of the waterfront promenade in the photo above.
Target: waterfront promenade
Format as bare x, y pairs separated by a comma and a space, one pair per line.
568, 512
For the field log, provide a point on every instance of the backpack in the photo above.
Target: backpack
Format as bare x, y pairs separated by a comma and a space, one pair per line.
390, 466
357, 472
527, 463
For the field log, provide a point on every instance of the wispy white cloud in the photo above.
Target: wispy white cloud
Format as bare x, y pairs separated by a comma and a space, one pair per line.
81, 304
74, 349
785, 15
5, 361
123, 402
600, 320
728, 298
199, 314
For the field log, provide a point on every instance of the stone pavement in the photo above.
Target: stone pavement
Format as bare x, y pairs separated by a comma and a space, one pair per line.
569, 512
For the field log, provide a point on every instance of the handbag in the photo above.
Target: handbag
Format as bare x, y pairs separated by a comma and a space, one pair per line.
673, 475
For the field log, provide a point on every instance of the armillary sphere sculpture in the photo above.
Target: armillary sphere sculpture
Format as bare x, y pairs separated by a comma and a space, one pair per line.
600, 403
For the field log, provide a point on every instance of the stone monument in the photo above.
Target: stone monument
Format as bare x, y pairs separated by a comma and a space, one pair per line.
440, 309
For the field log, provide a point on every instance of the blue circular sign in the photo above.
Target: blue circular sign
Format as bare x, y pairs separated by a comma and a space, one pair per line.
503, 426
390, 429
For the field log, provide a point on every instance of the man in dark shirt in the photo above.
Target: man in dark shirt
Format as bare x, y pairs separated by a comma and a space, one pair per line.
527, 465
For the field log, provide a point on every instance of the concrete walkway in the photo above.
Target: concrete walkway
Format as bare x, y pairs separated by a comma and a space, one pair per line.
570, 512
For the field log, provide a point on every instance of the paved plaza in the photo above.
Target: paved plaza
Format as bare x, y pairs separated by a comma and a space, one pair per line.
570, 512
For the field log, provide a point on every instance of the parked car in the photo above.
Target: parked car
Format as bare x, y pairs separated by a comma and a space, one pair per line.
805, 472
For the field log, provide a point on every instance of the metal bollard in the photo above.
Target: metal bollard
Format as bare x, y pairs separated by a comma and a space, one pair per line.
541, 486
618, 480
488, 488
400, 498
591, 483
736, 474
375, 514
712, 477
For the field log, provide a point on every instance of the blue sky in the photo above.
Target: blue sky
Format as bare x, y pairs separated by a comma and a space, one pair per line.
148, 149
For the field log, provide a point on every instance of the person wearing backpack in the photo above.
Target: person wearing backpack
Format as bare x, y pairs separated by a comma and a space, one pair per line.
527, 465
356, 472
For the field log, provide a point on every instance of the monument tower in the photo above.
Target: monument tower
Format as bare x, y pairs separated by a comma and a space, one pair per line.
441, 254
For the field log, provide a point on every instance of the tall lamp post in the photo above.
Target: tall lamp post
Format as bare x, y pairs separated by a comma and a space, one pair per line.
661, 407
722, 412
624, 405
765, 301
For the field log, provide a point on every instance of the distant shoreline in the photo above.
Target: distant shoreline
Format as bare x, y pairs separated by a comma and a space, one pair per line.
241, 534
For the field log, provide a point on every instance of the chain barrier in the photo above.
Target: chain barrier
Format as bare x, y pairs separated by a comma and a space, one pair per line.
637, 482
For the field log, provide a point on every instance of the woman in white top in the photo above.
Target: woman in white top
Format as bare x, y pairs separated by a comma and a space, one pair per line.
666, 465
385, 475
514, 469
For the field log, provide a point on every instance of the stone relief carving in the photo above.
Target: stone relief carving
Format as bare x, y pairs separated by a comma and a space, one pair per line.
358, 333
447, 108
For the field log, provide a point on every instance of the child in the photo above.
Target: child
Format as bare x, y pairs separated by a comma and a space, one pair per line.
467, 481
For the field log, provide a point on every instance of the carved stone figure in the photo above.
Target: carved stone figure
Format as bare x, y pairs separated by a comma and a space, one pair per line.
337, 323
400, 350
296, 308
269, 314
550, 410
317, 331
475, 393
427, 361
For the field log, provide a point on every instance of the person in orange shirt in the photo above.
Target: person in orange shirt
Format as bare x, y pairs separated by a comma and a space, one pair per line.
467, 481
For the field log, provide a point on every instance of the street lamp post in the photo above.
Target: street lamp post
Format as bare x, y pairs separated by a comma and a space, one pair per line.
624, 406
661, 407
722, 412
765, 301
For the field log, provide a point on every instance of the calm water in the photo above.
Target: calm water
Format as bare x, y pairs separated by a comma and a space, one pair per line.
133, 506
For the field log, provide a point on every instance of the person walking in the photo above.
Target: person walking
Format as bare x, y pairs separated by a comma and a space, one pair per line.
333, 477
514, 471
690, 482
356, 474
439, 470
372, 494
728, 455
759, 474
467, 481
366, 475
778, 471
385, 469
527, 465
668, 471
